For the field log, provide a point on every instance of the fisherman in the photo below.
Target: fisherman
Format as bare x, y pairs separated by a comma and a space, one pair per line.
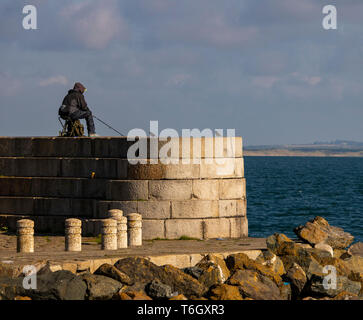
75, 107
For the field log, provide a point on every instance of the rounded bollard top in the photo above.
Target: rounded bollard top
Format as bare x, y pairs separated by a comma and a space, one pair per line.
73, 223
25, 223
115, 214
134, 217
123, 220
109, 223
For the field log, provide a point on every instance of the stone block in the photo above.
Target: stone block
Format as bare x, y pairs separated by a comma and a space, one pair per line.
221, 168
216, 228
175, 228
15, 186
232, 189
241, 207
126, 206
154, 209
178, 260
128, 190
227, 208
170, 189
194, 209
206, 189
16, 205
152, 229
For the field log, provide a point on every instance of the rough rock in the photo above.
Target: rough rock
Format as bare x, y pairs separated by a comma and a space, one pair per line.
254, 285
356, 249
242, 261
157, 290
195, 272
108, 270
100, 287
21, 298
315, 287
297, 278
224, 292
286, 291
10, 288
325, 247
131, 295
318, 230
271, 261
274, 241
59, 285
141, 271
210, 270
345, 296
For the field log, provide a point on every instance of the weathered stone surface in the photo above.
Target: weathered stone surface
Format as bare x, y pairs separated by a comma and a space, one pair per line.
59, 285
325, 247
216, 228
232, 189
152, 229
206, 189
254, 285
274, 241
131, 295
224, 292
108, 270
210, 270
170, 189
242, 261
271, 261
158, 290
194, 209
315, 287
286, 291
318, 230
184, 227
100, 287
142, 271
344, 295
356, 249
297, 277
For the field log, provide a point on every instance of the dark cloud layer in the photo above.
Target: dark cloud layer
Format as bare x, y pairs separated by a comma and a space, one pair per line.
266, 68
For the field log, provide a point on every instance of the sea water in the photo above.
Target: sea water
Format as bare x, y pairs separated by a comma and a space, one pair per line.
285, 192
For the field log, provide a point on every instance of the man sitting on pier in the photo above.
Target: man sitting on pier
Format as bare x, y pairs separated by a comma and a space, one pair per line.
75, 106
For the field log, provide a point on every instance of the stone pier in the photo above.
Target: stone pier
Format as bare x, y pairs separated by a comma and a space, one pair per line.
49, 180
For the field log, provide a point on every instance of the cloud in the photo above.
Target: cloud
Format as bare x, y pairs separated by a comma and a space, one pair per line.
55, 80
264, 81
92, 23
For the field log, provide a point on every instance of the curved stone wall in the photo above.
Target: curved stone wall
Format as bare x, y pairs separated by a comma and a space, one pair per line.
49, 180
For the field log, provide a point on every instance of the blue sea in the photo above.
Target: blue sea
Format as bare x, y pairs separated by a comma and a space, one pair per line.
285, 192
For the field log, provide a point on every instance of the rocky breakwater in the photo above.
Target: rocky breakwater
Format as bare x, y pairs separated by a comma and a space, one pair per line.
321, 265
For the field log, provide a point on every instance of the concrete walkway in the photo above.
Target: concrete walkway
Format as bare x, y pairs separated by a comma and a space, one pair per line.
180, 253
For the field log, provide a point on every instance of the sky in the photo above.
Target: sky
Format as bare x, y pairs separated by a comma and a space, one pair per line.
266, 68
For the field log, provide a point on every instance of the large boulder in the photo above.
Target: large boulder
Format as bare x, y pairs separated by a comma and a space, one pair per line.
224, 292
141, 271
274, 241
59, 285
272, 261
317, 287
157, 290
242, 261
209, 271
297, 278
100, 287
318, 230
252, 284
108, 270
356, 249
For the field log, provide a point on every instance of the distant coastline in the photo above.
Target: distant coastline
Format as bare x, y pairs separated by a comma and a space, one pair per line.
338, 148
287, 153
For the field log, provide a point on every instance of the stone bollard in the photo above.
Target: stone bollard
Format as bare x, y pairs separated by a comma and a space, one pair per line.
73, 235
134, 229
25, 235
117, 215
109, 234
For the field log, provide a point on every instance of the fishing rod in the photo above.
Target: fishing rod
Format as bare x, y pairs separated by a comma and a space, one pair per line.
122, 135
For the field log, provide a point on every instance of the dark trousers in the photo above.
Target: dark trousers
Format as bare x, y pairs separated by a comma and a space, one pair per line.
80, 114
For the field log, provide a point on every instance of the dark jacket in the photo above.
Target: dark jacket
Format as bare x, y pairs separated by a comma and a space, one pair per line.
74, 100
